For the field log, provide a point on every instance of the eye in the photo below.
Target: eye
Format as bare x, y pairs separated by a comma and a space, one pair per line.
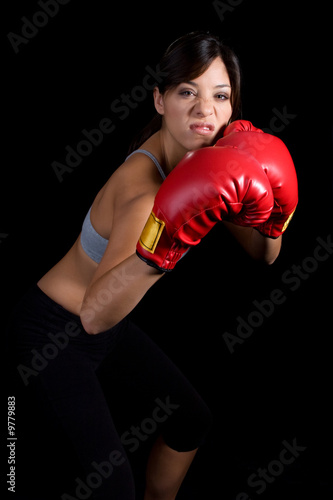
187, 93
222, 97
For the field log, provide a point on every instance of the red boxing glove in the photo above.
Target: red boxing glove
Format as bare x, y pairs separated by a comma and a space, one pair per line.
275, 159
208, 185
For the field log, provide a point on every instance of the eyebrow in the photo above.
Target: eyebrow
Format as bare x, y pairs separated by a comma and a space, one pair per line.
216, 86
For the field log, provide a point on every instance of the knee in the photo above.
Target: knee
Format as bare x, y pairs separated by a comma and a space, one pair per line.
189, 427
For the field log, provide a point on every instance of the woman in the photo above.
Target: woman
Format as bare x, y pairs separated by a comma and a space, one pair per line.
82, 303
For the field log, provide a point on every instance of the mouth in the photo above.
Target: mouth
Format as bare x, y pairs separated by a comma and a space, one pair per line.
202, 128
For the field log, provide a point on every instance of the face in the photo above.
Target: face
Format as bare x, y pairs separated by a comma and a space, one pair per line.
194, 112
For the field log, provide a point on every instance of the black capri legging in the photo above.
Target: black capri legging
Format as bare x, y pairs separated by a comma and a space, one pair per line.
107, 393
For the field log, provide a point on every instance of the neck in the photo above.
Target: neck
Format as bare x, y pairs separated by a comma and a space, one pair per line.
166, 149
172, 151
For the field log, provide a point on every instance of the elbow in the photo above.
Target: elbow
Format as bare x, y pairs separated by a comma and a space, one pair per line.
88, 324
91, 323
266, 250
89, 328
266, 259
274, 251
269, 258
271, 261
91, 316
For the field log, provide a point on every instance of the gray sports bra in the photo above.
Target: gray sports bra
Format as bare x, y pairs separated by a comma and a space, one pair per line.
93, 243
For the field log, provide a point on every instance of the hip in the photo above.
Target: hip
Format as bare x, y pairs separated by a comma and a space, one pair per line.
39, 324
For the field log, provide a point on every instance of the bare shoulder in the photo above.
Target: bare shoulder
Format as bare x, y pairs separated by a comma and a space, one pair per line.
123, 210
131, 189
137, 177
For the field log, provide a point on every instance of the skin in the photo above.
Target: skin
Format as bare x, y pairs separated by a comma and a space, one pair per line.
194, 113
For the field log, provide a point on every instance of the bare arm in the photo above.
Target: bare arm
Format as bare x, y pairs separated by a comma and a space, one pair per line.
259, 247
121, 278
115, 294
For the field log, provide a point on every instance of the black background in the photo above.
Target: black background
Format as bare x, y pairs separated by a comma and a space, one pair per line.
276, 385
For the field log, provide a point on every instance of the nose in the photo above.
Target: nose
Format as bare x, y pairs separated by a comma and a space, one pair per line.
204, 107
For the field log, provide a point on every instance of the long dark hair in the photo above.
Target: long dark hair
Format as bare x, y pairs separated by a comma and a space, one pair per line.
186, 59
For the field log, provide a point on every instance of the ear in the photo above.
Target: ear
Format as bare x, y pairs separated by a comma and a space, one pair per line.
158, 101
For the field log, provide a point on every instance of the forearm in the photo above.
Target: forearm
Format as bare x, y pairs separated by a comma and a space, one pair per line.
115, 294
259, 247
